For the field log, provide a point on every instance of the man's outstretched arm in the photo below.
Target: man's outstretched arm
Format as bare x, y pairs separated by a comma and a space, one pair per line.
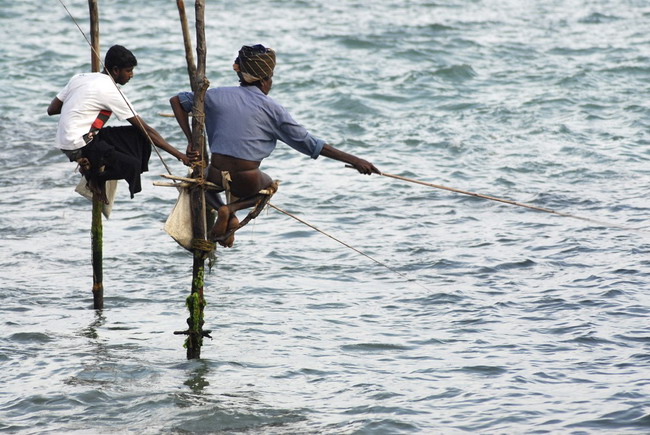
157, 139
361, 165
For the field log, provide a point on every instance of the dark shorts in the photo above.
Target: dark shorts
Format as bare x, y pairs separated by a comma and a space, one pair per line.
123, 152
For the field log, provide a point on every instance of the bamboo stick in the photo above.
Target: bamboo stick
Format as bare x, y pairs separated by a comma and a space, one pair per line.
190, 180
169, 115
189, 57
96, 230
199, 83
163, 184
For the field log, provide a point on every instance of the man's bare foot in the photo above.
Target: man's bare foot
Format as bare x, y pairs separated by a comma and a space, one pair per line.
98, 190
84, 165
221, 225
233, 222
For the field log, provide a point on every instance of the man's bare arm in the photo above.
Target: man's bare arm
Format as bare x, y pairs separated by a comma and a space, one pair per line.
55, 107
183, 119
157, 139
361, 165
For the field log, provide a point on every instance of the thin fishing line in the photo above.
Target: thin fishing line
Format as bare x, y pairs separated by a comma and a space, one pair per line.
348, 246
507, 201
117, 87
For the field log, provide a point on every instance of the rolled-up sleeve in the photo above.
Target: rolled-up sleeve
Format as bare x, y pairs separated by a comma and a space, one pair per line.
187, 100
297, 136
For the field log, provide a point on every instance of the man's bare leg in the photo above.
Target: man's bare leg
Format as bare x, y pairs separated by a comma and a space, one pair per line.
213, 199
245, 184
233, 222
226, 219
96, 186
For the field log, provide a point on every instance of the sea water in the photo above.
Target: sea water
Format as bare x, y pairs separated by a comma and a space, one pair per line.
470, 316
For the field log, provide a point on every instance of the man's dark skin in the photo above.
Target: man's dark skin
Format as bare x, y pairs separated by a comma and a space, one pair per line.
122, 76
247, 178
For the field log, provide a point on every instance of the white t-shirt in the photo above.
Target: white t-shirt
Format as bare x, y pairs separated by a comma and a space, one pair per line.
83, 97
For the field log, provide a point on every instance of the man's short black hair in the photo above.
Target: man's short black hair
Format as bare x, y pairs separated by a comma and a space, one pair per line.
120, 57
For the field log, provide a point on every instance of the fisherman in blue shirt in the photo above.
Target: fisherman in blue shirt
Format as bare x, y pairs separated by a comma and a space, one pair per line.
243, 125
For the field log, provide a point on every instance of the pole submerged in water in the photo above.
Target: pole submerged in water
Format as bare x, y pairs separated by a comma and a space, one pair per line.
96, 231
199, 84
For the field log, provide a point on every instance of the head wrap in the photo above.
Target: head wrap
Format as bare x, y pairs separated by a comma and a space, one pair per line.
254, 63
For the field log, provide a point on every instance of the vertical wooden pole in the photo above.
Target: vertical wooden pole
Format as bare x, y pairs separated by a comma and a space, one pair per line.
199, 83
96, 231
95, 62
187, 40
198, 193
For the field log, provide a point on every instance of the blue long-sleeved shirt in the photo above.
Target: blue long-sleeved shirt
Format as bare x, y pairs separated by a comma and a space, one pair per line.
244, 123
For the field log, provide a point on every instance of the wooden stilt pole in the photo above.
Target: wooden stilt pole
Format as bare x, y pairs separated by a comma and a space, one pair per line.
199, 83
96, 225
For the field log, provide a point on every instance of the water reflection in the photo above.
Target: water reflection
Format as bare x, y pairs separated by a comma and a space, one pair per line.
93, 372
197, 380
91, 331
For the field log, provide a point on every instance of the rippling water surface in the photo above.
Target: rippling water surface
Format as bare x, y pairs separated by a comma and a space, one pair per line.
499, 320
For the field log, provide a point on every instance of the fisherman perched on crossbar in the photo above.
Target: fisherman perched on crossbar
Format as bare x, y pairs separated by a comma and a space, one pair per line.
109, 153
243, 125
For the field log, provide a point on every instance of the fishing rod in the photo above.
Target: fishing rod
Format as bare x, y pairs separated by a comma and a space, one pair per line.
347, 245
505, 201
